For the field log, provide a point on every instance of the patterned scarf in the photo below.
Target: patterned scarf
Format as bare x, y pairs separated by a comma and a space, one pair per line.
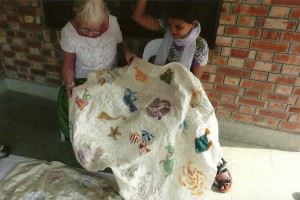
189, 43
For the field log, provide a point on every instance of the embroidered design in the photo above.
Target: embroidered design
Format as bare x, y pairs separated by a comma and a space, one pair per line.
103, 116
146, 137
105, 77
169, 161
145, 187
167, 76
143, 149
158, 108
87, 154
202, 144
196, 98
114, 133
140, 76
170, 149
135, 137
192, 179
82, 102
83, 180
53, 175
129, 98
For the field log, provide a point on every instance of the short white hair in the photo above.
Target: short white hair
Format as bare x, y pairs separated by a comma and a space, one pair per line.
90, 12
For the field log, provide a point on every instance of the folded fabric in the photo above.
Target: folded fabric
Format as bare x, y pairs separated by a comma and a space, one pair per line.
152, 125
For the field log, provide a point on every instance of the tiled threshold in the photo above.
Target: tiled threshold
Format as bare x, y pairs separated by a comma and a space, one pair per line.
228, 129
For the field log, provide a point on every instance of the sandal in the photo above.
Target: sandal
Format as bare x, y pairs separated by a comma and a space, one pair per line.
223, 178
4, 151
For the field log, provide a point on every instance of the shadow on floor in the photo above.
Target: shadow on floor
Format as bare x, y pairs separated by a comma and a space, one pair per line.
296, 195
29, 126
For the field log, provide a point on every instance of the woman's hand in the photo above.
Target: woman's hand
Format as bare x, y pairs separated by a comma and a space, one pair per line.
69, 92
129, 56
127, 52
69, 87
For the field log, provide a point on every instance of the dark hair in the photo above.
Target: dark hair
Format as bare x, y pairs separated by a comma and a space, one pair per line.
186, 11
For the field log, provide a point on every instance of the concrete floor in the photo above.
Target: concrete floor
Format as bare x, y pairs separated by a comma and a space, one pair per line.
28, 124
260, 173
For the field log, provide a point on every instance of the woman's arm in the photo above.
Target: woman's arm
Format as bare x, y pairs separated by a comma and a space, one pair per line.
122, 46
68, 69
200, 57
198, 71
140, 17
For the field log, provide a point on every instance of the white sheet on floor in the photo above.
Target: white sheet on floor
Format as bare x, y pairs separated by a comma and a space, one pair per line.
36, 179
9, 163
153, 125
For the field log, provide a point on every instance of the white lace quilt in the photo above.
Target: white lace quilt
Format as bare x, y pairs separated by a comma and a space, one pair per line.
152, 125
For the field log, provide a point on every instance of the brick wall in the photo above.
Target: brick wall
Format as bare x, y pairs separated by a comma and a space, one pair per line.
253, 73
29, 51
253, 76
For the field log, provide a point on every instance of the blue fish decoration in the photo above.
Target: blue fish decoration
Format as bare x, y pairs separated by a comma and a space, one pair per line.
146, 137
129, 98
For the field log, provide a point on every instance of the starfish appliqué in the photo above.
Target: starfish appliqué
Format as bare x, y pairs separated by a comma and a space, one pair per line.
114, 133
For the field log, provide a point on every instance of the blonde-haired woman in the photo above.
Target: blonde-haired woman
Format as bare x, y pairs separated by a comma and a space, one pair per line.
89, 42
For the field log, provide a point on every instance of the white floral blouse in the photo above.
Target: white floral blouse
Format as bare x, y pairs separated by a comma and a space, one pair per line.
92, 53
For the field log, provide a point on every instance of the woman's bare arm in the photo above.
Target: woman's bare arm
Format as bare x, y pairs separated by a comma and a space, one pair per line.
198, 71
68, 69
140, 17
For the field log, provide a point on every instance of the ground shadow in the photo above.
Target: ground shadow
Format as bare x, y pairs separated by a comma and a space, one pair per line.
296, 195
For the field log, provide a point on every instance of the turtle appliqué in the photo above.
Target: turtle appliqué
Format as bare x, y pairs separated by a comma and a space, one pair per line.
169, 161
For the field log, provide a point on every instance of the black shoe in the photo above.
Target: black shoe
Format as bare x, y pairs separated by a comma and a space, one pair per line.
4, 151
